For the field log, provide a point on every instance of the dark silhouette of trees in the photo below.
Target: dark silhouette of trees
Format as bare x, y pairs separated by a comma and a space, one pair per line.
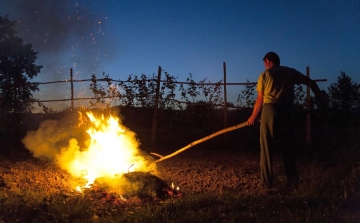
17, 67
299, 95
344, 94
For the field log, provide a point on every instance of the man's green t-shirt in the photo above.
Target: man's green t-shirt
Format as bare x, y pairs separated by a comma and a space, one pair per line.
277, 84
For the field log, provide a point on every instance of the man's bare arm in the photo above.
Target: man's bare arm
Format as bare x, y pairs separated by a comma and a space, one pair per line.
257, 108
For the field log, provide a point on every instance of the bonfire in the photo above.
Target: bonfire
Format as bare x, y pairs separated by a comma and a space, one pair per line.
107, 156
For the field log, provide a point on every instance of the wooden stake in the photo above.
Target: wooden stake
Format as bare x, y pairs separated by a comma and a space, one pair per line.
199, 141
308, 108
155, 112
72, 88
225, 102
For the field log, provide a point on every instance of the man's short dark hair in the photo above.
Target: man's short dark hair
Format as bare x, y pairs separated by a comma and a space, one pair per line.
273, 57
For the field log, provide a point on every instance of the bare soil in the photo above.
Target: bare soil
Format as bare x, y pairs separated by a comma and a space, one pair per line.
201, 171
193, 171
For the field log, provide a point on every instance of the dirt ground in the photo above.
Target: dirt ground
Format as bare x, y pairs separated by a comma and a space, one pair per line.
193, 171
199, 171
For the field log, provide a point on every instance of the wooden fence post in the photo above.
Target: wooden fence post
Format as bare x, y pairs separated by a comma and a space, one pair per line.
154, 122
308, 115
72, 89
225, 101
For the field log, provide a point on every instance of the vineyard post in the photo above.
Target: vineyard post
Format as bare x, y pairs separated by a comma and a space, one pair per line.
72, 89
225, 101
308, 107
154, 122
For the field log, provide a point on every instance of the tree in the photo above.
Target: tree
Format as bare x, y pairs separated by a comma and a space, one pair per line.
344, 94
299, 95
16, 69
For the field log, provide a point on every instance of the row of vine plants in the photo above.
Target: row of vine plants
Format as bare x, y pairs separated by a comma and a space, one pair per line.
140, 91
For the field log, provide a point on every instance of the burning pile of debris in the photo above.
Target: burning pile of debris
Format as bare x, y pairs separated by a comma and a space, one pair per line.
106, 158
39, 183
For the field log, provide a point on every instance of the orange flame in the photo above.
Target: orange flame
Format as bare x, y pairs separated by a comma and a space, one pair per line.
112, 151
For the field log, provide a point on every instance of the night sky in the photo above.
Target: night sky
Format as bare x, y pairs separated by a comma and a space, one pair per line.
122, 37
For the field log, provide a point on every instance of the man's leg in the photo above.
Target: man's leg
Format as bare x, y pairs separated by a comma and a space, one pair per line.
266, 146
286, 143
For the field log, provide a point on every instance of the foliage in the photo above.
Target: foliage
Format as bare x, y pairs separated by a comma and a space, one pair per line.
128, 94
16, 69
140, 91
200, 117
168, 94
137, 93
191, 91
247, 95
299, 95
344, 94
104, 97
144, 91
212, 93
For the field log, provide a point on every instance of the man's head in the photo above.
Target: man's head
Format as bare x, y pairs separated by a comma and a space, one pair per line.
271, 59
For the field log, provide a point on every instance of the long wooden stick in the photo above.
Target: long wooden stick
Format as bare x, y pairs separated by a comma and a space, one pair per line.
199, 141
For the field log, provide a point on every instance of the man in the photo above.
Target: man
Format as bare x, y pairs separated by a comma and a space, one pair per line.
275, 98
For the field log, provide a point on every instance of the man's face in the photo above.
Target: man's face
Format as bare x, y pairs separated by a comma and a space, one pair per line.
268, 64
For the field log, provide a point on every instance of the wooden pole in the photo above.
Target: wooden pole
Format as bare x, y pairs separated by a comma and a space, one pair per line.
308, 108
199, 141
225, 101
72, 89
153, 131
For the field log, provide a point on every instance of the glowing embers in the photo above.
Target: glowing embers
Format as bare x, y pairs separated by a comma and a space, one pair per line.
111, 151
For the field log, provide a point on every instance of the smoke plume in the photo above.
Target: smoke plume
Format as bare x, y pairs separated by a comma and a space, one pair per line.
67, 34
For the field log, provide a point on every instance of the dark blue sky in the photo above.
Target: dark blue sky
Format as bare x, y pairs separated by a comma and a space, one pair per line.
121, 37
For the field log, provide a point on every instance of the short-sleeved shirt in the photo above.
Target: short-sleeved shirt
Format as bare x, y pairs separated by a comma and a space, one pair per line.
277, 84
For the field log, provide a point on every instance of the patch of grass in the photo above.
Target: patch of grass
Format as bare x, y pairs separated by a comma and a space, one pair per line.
307, 204
232, 207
